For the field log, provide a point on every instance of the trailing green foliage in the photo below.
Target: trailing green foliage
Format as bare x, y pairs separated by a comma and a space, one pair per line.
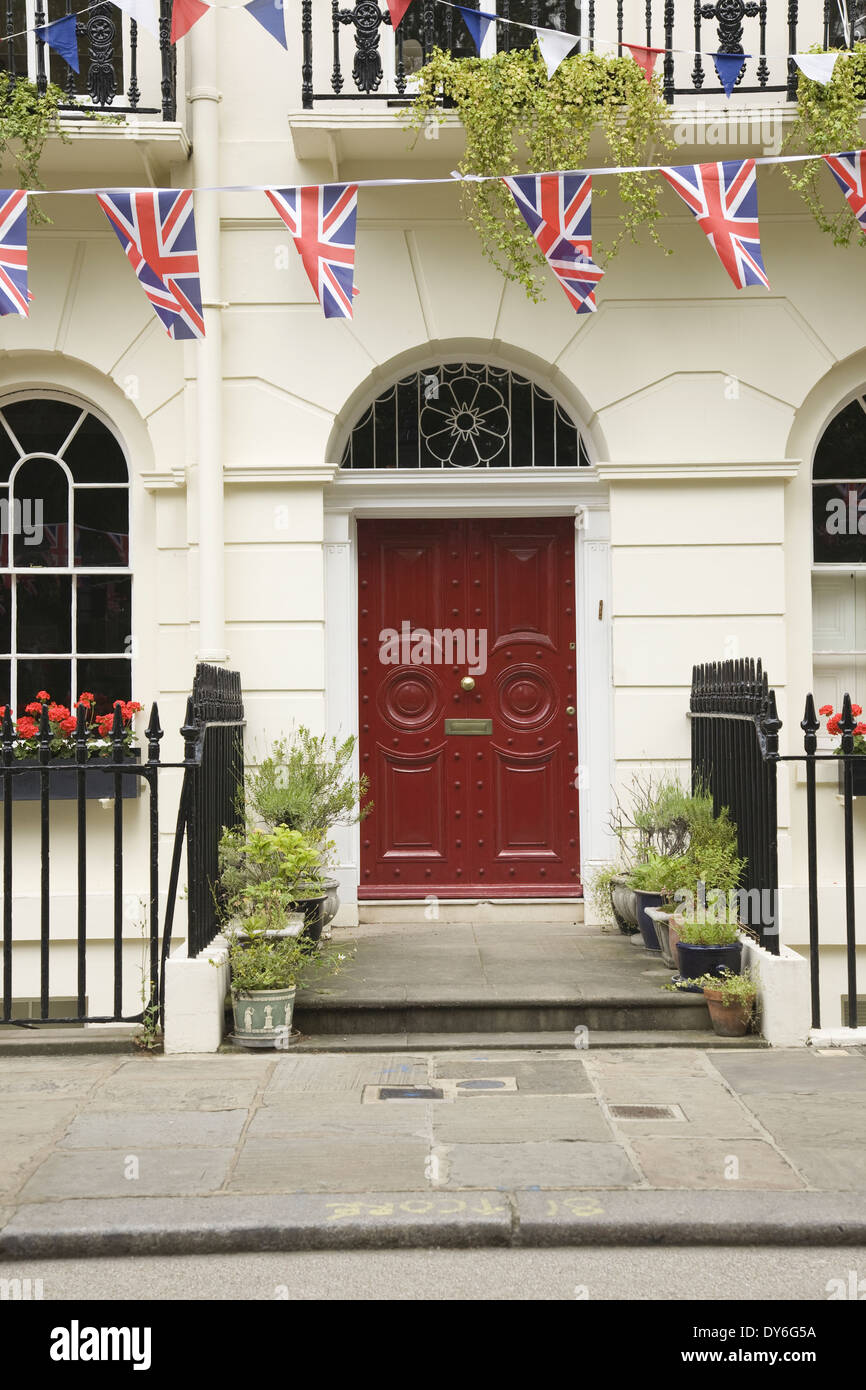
26, 121
517, 119
259, 962
828, 122
734, 989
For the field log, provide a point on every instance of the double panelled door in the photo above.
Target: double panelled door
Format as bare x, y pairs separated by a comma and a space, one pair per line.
468, 729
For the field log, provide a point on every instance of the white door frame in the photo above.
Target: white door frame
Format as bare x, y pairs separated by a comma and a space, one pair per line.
525, 492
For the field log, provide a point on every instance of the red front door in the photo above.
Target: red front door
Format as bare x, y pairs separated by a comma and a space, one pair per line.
467, 696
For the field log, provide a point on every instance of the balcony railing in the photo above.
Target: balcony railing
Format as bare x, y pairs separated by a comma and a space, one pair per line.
124, 69
350, 53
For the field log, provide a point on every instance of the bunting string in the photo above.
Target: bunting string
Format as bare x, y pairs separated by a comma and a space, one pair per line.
156, 229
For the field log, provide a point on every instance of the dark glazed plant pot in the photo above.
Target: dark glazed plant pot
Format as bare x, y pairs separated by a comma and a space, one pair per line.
708, 960
646, 925
313, 906
858, 778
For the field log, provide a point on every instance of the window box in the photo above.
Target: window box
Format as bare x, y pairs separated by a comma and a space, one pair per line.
63, 786
859, 778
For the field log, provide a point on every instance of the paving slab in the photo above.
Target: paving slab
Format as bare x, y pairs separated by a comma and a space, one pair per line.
519, 1120
325, 1163
20, 1118
821, 1119
707, 1163
533, 1077
103, 1173
159, 1129
793, 1070
541, 1164
322, 1074
312, 1115
134, 1096
840, 1168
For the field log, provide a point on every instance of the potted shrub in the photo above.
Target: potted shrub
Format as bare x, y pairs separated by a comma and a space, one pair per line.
613, 898
273, 872
662, 918
657, 825
654, 883
858, 764
707, 947
265, 970
305, 783
264, 975
731, 1000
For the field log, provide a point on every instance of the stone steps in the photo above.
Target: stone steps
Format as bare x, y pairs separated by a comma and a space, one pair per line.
438, 1013
490, 1042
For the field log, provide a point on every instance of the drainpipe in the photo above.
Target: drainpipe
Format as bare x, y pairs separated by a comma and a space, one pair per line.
204, 97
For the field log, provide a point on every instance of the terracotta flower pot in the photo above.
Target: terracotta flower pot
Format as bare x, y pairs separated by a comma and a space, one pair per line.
728, 1020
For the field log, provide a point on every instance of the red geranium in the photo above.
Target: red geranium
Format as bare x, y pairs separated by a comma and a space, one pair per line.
27, 728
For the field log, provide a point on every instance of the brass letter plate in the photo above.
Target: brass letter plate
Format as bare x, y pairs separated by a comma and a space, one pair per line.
469, 726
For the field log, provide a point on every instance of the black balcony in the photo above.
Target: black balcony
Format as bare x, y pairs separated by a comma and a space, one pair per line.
124, 69
351, 54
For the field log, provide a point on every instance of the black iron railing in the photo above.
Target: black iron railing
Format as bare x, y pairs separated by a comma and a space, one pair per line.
735, 748
109, 76
215, 794
735, 753
363, 60
210, 799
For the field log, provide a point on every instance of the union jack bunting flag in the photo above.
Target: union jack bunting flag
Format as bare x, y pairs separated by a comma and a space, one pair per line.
724, 199
849, 171
322, 219
557, 209
14, 296
157, 232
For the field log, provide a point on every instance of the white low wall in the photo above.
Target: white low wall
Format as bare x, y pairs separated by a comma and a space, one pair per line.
195, 993
783, 993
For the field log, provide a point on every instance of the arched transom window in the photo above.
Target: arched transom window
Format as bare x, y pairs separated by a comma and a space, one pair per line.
465, 415
65, 583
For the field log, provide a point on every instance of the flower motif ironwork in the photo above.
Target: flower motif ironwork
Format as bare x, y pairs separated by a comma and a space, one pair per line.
466, 424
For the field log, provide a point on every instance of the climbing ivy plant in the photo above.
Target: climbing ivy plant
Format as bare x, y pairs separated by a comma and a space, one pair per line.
26, 121
516, 119
828, 122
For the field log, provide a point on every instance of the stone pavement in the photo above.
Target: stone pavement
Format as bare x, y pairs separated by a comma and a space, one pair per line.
104, 1154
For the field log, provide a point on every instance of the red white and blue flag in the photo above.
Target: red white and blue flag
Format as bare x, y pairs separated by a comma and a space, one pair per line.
157, 232
724, 199
849, 171
323, 221
557, 209
14, 296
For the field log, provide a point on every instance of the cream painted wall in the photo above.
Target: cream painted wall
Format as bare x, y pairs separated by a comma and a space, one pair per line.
701, 407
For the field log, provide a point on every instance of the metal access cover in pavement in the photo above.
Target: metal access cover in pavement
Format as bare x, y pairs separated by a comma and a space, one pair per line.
645, 1112
408, 1093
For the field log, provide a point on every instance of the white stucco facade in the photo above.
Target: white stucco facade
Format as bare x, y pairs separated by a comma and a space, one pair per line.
700, 407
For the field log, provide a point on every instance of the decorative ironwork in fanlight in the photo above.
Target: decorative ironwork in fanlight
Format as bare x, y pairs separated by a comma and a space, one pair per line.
466, 415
